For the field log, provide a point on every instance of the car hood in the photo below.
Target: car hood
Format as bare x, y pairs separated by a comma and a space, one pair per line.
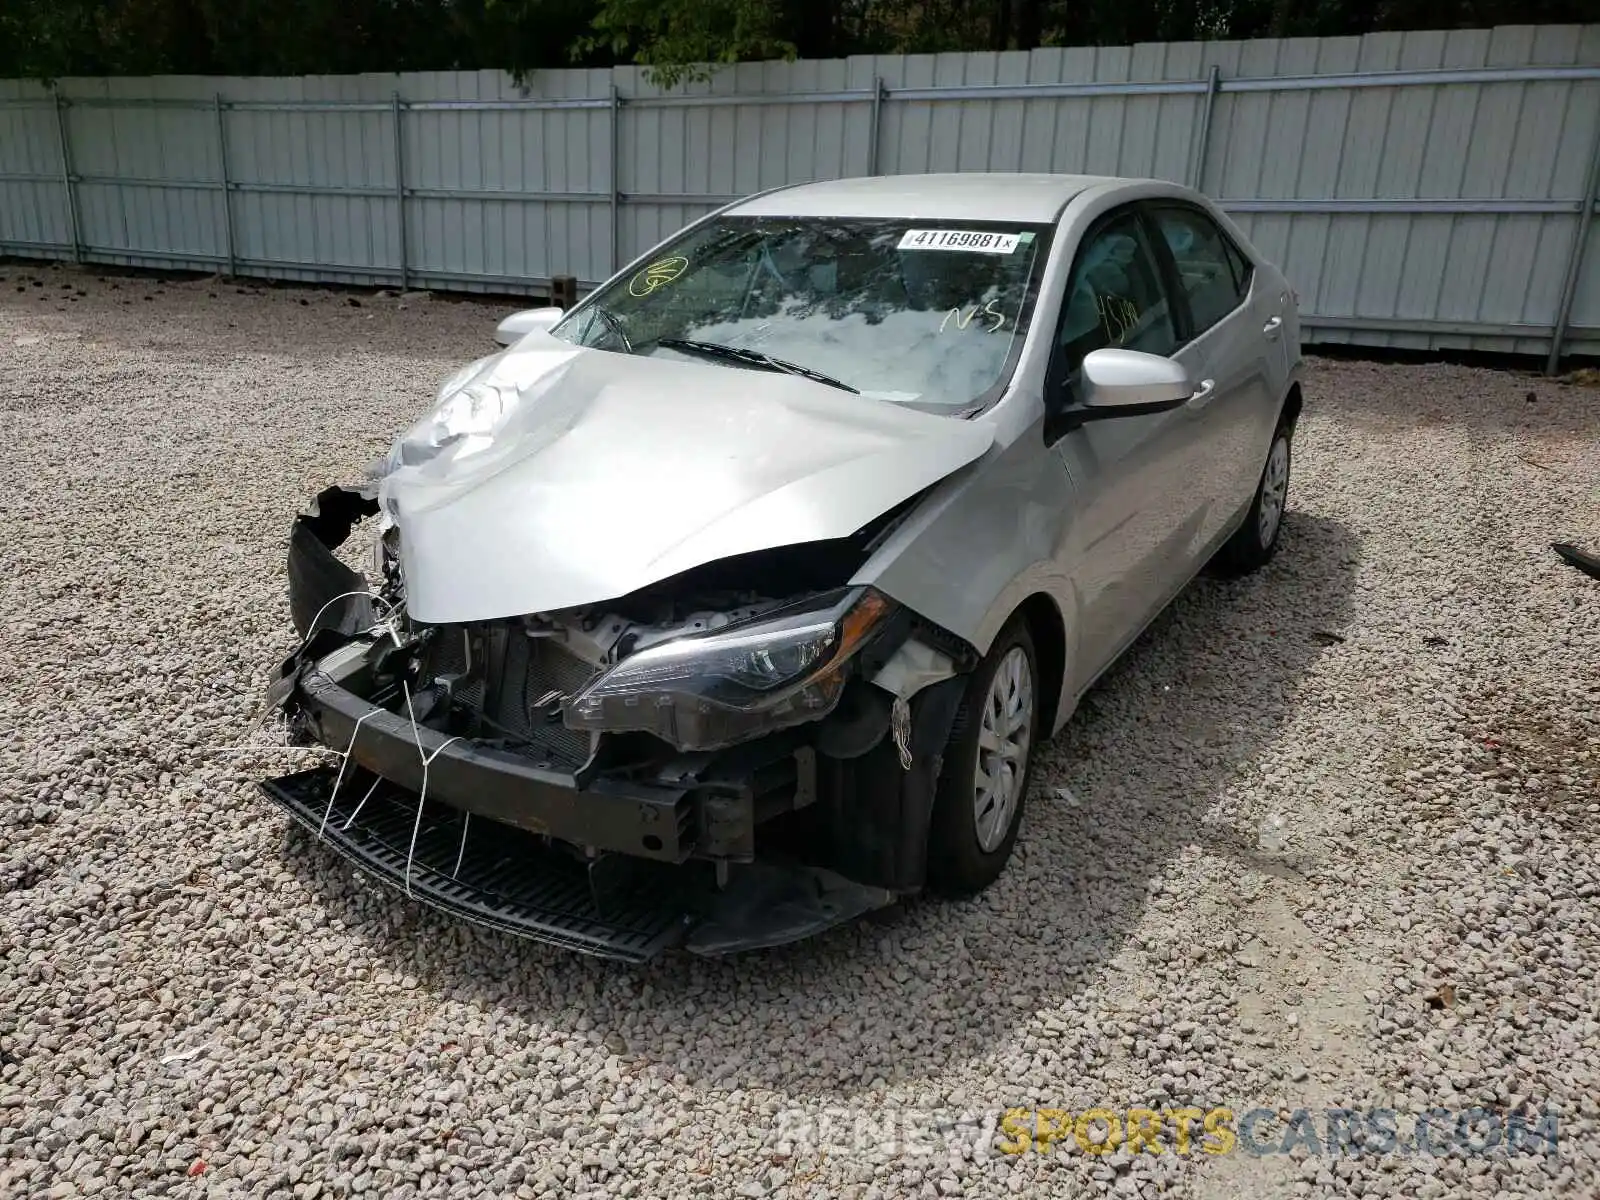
614, 471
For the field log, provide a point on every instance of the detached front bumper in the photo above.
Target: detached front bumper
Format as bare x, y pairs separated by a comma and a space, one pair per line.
602, 866
498, 878
512, 881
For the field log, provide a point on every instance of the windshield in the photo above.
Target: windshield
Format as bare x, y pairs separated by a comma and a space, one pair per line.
930, 314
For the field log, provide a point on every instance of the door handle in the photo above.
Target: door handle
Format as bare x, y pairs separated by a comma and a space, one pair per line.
1272, 327
1202, 395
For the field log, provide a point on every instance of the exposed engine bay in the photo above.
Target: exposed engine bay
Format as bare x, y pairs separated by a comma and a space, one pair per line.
549, 682
757, 740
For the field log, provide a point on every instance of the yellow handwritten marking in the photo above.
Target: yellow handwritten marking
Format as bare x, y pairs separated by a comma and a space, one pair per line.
657, 275
1118, 316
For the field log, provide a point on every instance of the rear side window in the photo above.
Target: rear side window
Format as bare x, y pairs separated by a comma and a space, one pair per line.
1114, 297
1215, 276
1243, 269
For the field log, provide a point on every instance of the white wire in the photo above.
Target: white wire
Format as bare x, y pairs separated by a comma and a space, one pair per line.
386, 624
466, 820
311, 628
422, 798
344, 762
351, 819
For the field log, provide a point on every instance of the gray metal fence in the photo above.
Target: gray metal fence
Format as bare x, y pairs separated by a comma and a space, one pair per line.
1426, 190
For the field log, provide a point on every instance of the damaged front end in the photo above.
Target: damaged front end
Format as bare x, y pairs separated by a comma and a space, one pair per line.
735, 757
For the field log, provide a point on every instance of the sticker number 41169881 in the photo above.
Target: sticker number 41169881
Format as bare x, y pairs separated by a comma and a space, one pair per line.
974, 240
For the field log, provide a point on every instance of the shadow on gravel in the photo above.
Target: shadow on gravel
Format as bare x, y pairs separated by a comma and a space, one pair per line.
1190, 708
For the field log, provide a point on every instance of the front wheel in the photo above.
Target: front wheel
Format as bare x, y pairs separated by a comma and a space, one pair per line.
988, 763
1256, 541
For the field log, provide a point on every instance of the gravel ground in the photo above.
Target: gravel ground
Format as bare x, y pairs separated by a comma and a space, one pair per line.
1326, 836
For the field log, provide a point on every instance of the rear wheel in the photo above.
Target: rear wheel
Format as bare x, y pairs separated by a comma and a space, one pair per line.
987, 766
1256, 541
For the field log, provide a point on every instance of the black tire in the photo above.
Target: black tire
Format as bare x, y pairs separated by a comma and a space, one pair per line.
958, 864
1251, 547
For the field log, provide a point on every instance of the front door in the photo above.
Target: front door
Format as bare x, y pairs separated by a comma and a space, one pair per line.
1136, 508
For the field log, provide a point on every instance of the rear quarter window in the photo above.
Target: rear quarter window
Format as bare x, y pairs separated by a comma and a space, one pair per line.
1212, 272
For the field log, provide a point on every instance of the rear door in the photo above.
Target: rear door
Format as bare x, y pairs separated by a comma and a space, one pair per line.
1233, 341
1135, 507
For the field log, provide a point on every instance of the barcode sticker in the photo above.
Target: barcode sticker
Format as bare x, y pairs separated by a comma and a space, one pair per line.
973, 240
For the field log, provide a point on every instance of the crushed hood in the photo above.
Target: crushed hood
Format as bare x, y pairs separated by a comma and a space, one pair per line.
615, 471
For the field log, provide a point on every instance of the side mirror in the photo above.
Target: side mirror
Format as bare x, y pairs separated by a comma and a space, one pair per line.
1129, 383
519, 324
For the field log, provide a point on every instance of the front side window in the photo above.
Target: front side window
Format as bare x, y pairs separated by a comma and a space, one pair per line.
1208, 266
925, 313
1114, 297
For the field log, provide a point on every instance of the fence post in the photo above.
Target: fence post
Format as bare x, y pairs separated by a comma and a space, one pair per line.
1197, 164
616, 157
1580, 242
400, 185
873, 134
66, 176
227, 182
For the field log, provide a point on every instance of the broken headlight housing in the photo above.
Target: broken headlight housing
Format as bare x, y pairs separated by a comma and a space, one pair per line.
707, 691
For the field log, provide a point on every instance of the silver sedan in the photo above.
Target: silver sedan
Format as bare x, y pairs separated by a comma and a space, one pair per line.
735, 600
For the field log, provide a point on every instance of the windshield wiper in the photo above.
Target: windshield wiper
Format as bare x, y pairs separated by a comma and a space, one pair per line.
614, 323
755, 359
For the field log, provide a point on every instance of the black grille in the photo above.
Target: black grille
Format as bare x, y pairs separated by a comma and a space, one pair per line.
506, 879
534, 668
447, 655
526, 671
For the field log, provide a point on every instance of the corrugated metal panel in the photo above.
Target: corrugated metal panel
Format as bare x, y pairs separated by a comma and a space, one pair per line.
1434, 214
1485, 141
33, 206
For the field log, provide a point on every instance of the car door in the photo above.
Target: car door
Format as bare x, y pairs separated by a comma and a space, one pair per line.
1135, 510
1234, 345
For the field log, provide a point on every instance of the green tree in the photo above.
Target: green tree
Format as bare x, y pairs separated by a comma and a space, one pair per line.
679, 39
675, 38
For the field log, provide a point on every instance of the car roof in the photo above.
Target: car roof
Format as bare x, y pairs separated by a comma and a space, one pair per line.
969, 196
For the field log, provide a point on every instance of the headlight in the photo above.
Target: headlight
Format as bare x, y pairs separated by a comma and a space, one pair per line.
711, 690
